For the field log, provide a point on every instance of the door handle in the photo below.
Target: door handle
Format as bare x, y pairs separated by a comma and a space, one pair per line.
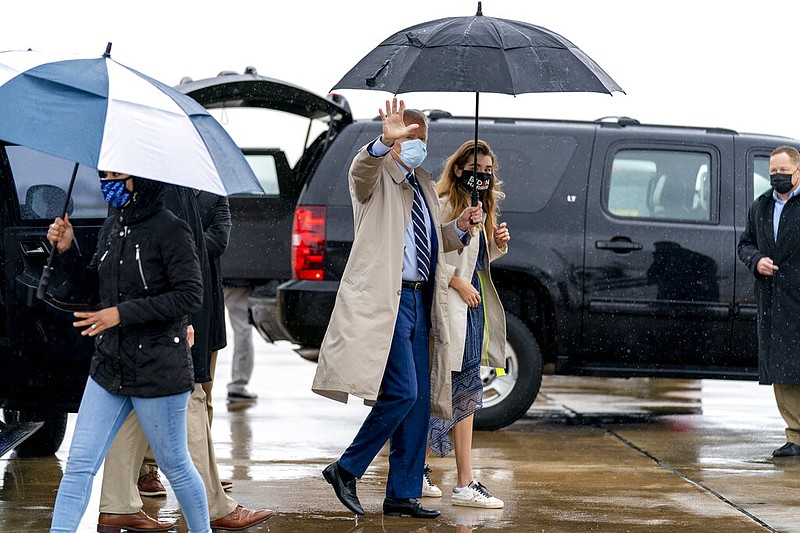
34, 248
618, 244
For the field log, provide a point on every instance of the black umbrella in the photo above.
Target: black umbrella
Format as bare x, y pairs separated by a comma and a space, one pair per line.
477, 54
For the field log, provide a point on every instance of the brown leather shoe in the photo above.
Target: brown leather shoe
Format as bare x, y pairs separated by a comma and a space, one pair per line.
240, 518
116, 523
150, 484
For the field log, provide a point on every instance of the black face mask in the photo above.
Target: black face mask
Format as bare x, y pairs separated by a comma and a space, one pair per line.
484, 180
782, 183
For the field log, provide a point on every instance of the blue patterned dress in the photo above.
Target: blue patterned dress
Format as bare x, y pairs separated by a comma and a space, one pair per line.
467, 385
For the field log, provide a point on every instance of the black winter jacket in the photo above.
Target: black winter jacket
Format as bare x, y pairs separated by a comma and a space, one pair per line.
215, 213
182, 201
147, 266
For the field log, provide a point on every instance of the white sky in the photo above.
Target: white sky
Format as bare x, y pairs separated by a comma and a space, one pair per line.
701, 62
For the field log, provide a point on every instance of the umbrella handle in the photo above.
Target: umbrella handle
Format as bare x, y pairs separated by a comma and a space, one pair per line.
475, 153
44, 280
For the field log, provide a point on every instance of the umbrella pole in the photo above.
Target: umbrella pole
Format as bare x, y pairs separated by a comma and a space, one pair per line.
44, 281
475, 156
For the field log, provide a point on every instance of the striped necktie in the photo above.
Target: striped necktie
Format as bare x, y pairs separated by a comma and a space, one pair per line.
420, 232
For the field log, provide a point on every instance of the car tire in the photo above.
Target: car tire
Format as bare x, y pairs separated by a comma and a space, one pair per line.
507, 398
47, 440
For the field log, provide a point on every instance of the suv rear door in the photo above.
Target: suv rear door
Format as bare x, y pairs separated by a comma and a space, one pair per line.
660, 244
262, 222
259, 247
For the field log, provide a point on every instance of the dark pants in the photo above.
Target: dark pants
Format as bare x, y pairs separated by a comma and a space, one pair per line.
401, 412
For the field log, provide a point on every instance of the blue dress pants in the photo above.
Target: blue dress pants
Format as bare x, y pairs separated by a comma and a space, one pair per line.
402, 410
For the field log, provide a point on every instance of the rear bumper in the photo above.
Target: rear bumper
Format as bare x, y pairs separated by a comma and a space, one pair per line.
304, 309
264, 313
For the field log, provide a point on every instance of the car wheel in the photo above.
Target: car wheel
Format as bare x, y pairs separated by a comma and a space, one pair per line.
47, 439
506, 398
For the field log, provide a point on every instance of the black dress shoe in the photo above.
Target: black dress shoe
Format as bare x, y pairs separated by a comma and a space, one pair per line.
790, 449
407, 506
345, 490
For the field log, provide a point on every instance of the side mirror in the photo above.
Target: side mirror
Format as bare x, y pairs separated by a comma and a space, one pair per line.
45, 202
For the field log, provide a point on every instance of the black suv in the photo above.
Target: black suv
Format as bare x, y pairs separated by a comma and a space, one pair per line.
623, 243
258, 253
622, 260
44, 362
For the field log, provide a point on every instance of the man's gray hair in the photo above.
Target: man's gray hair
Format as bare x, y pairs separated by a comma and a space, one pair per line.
417, 116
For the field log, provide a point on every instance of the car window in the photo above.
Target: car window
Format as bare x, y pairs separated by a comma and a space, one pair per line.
660, 184
266, 171
760, 176
41, 183
531, 163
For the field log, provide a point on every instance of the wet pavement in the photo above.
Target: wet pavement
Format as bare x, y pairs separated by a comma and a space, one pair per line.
602, 455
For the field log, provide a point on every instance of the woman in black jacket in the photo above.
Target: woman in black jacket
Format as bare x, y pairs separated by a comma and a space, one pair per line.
146, 277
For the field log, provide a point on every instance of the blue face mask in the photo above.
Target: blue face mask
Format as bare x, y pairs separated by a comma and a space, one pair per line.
115, 193
413, 153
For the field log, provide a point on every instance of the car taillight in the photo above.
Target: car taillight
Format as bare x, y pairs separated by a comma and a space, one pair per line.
308, 242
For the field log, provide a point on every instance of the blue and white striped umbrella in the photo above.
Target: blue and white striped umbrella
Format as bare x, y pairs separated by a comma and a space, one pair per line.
99, 113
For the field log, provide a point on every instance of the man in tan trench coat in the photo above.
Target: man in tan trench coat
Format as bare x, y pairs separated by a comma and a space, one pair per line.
387, 338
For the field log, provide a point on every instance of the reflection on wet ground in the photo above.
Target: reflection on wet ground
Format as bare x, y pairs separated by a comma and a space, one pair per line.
592, 454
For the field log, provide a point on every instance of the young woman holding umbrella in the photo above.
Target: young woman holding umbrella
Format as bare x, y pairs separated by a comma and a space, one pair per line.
145, 274
477, 319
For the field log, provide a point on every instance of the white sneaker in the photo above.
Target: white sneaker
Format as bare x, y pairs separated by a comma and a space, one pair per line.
429, 490
476, 495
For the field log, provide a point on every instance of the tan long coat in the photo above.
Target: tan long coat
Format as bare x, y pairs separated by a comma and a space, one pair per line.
353, 355
463, 262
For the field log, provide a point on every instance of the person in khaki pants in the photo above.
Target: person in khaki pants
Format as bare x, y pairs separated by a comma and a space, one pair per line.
120, 501
215, 217
770, 248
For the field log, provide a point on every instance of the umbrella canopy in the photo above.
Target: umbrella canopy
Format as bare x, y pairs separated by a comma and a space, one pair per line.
104, 115
477, 54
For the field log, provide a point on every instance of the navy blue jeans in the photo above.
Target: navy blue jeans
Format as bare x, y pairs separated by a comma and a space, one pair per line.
401, 412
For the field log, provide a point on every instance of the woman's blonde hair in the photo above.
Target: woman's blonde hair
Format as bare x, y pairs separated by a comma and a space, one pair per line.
458, 196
